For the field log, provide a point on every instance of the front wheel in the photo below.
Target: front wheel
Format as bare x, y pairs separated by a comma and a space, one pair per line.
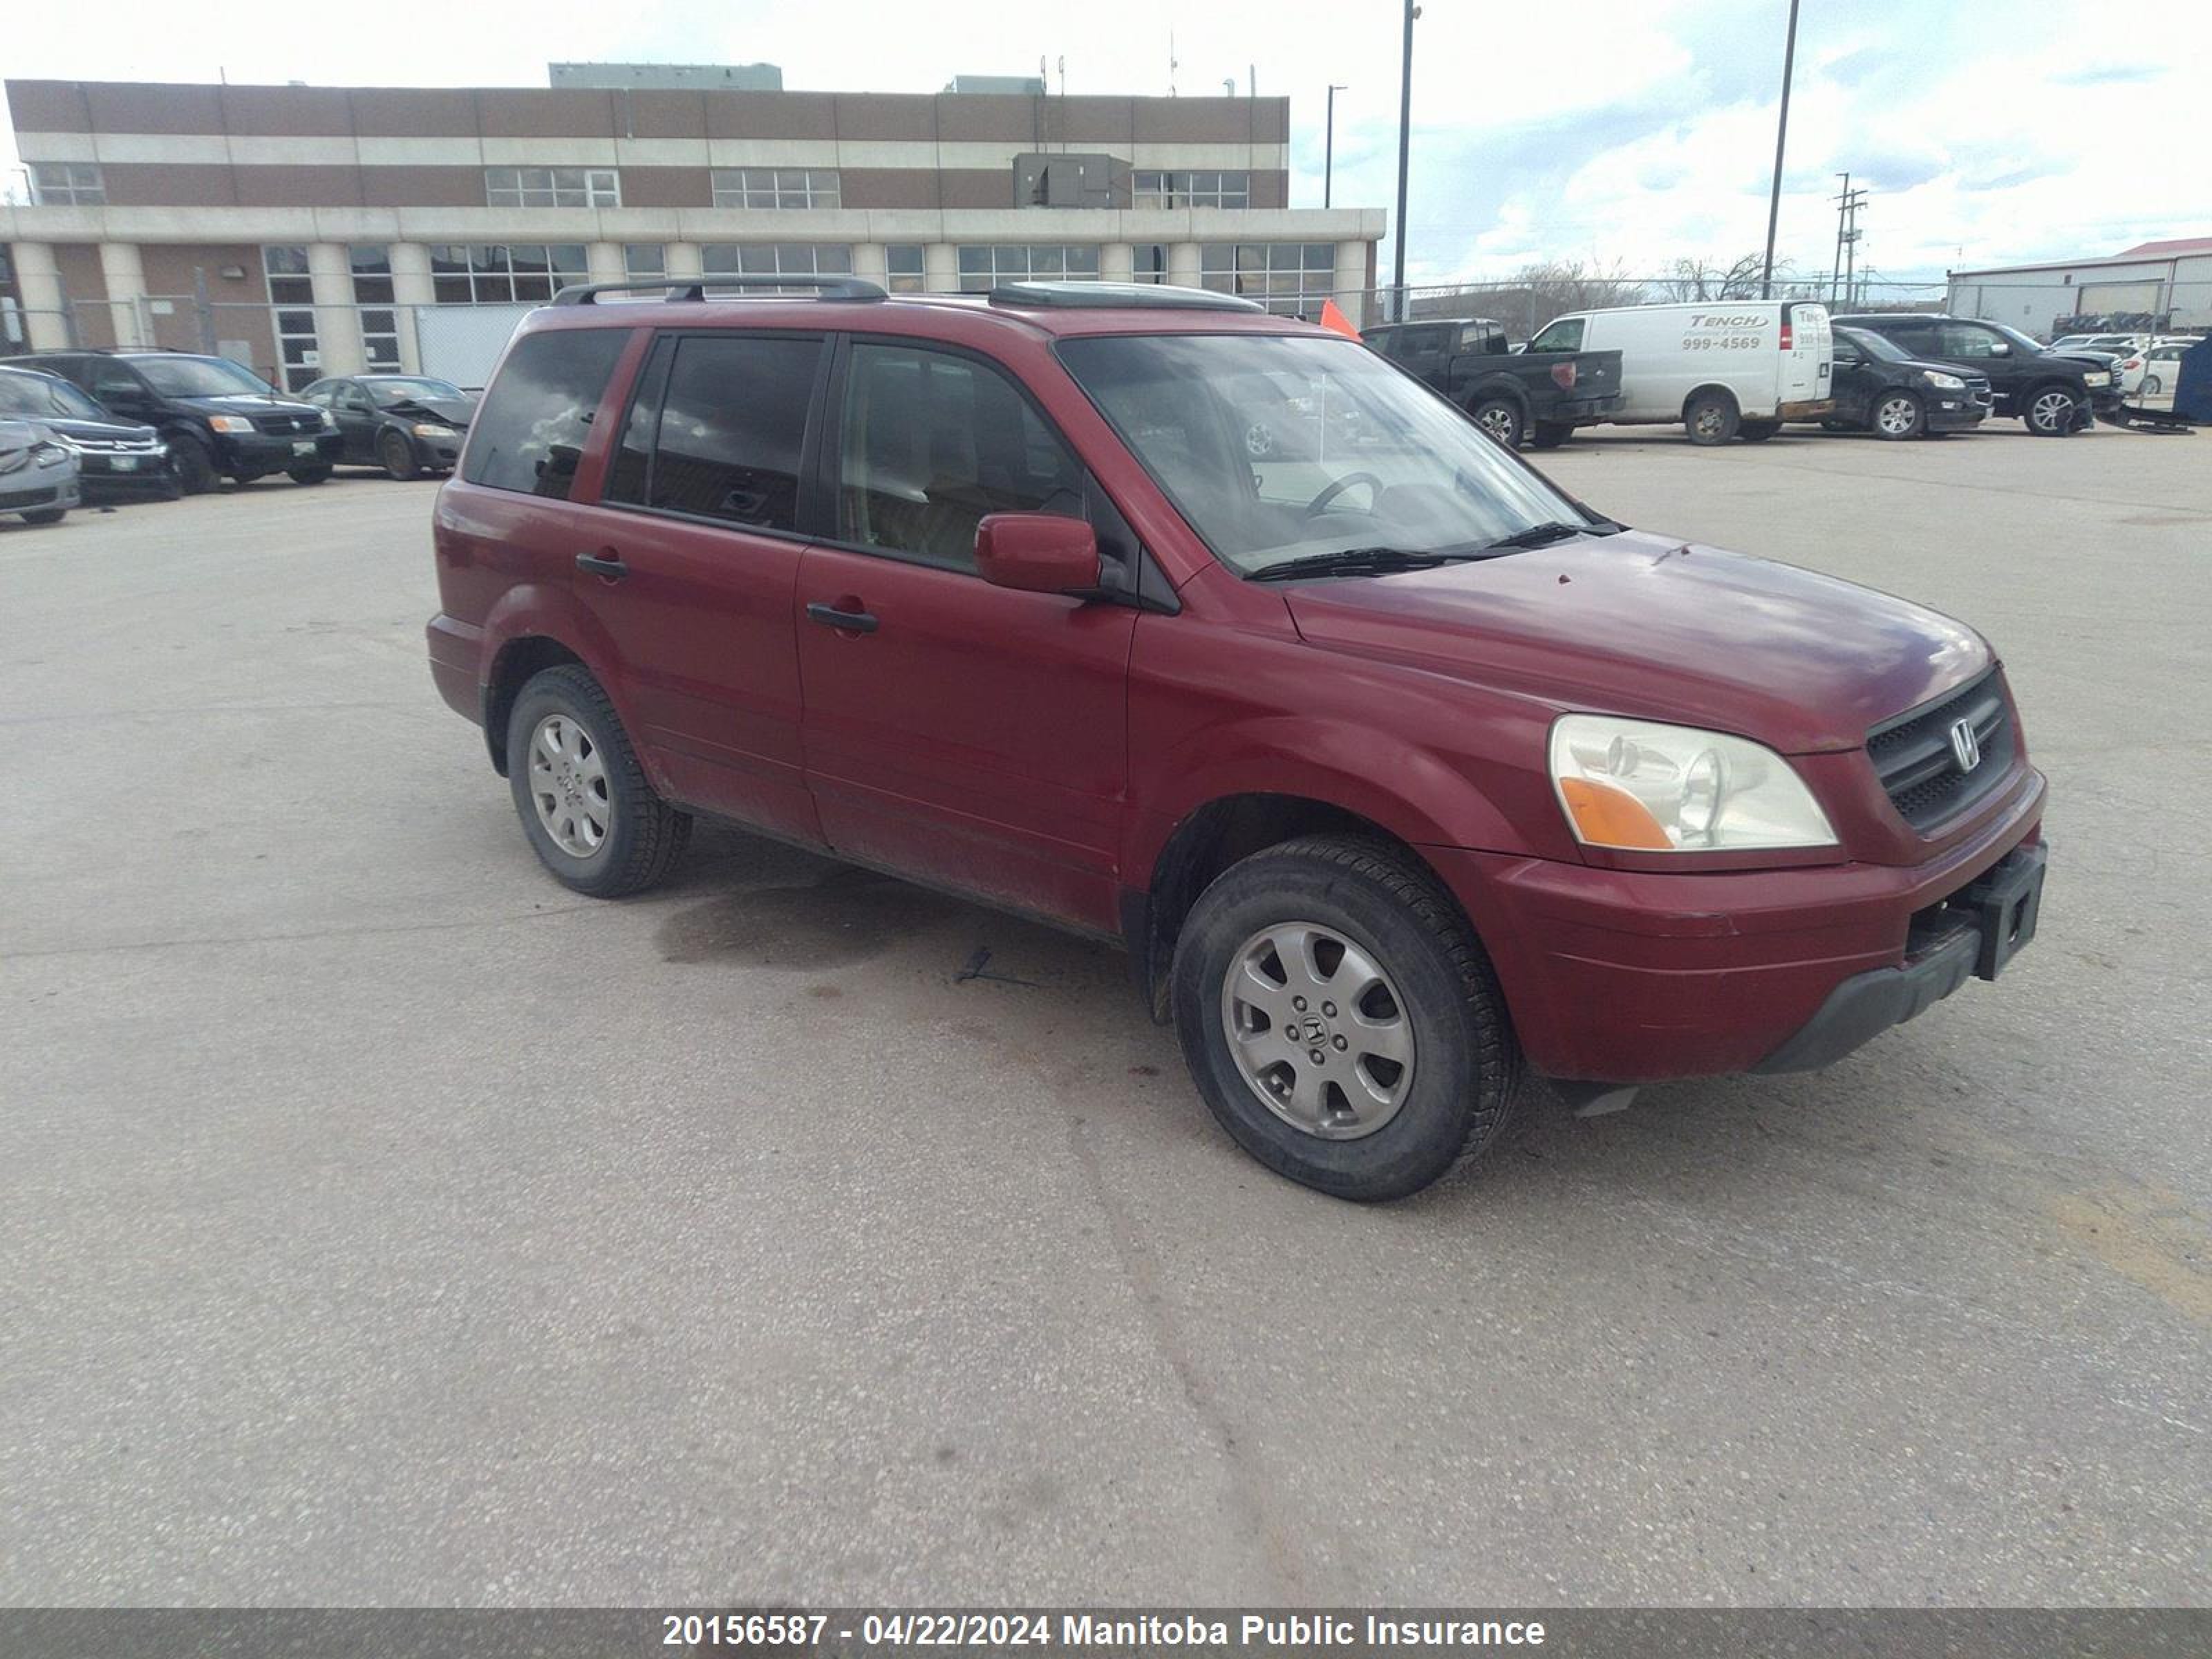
2052, 412
193, 465
591, 814
397, 454
1341, 1020
1712, 418
1500, 419
1899, 415
46, 515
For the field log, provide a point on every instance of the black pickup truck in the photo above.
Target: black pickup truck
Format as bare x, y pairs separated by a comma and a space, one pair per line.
1512, 396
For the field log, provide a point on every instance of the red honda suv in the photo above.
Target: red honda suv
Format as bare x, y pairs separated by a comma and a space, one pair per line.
1137, 609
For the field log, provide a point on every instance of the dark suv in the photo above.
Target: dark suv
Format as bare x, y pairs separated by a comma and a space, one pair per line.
1391, 763
219, 419
2052, 395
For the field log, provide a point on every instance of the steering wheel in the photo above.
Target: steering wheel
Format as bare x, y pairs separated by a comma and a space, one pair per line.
1329, 492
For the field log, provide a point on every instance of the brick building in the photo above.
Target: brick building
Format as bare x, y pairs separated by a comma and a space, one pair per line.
312, 230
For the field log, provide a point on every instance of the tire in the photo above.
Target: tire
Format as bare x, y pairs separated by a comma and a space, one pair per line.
1500, 418
1711, 418
1549, 434
1757, 432
309, 475
1833, 425
397, 454
46, 515
1435, 999
640, 835
2051, 411
193, 465
1899, 415
2151, 386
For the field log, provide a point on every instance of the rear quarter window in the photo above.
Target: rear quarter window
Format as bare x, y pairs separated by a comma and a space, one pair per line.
538, 415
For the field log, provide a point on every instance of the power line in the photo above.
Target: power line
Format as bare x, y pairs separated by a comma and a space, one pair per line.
1847, 239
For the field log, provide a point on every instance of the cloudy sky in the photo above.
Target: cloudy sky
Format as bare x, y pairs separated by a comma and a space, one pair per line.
1632, 130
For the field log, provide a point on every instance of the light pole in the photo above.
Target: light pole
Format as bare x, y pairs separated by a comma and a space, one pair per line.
1781, 135
1329, 148
1404, 145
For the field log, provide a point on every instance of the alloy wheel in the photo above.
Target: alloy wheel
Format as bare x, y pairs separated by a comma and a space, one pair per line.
1317, 1030
569, 784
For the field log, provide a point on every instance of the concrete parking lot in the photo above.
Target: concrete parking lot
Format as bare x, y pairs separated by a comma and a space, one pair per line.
382, 1222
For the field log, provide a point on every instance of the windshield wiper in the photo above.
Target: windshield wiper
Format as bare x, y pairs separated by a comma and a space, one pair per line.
1356, 561
1553, 530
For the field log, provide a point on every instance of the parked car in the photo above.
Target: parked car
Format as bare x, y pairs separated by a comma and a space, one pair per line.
115, 462
1392, 770
1541, 397
38, 473
2051, 394
2110, 345
2155, 375
408, 424
1724, 369
219, 418
1882, 389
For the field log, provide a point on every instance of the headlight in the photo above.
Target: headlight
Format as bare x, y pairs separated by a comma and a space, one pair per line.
432, 429
229, 424
2096, 377
50, 454
1945, 382
1646, 787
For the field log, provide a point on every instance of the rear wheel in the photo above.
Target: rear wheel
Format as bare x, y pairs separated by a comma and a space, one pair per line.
1549, 434
193, 465
590, 812
1899, 414
1758, 431
2051, 411
1500, 419
1711, 417
1340, 1019
397, 455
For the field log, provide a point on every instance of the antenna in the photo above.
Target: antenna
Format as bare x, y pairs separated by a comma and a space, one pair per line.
1172, 66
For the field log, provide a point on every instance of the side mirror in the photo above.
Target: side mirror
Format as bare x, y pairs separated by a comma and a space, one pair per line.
1037, 553
2000, 348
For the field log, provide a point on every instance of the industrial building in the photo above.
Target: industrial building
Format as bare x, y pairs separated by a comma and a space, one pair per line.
318, 230
2162, 285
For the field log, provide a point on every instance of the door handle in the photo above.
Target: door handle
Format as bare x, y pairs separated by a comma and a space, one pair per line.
608, 565
855, 621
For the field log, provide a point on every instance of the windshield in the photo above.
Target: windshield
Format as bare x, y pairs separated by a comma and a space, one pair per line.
388, 391
1281, 446
200, 377
26, 394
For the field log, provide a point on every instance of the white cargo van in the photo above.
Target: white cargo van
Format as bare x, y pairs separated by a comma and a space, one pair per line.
1725, 368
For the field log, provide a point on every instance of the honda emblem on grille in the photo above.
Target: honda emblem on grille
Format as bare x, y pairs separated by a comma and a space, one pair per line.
1966, 745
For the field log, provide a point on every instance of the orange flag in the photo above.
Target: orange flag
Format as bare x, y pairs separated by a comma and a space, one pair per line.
1332, 318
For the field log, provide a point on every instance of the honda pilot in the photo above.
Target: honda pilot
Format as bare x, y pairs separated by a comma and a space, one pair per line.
1396, 769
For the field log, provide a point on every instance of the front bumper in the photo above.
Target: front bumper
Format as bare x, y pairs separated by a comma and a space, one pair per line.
276, 452
1626, 976
27, 491
140, 475
1954, 411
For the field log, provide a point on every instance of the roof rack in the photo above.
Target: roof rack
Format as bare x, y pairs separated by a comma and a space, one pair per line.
1127, 296
694, 288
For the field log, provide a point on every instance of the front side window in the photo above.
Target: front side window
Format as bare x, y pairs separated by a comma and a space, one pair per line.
545, 187
1291, 279
1278, 446
67, 184
930, 442
1955, 340
984, 268
718, 432
530, 434
776, 187
1564, 334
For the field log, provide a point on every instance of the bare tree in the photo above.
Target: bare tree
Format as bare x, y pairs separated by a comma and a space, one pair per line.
1701, 278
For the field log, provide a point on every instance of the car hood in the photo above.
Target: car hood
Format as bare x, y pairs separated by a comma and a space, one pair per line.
1929, 366
1649, 626
248, 405
453, 411
105, 431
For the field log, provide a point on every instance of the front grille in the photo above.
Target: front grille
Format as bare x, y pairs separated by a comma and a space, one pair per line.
289, 423
1914, 757
118, 445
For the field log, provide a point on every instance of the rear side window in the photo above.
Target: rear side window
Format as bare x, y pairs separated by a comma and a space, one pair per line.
932, 442
718, 433
537, 417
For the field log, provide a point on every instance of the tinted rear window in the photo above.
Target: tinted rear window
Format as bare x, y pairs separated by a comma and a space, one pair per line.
538, 415
722, 435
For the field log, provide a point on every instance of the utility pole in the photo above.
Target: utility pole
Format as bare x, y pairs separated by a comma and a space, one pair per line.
1328, 148
1847, 237
1405, 146
1781, 136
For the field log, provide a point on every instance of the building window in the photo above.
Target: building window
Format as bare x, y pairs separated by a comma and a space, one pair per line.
982, 269
1189, 189
775, 259
545, 187
373, 295
1148, 262
1290, 278
66, 183
644, 259
292, 304
498, 274
904, 266
776, 187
